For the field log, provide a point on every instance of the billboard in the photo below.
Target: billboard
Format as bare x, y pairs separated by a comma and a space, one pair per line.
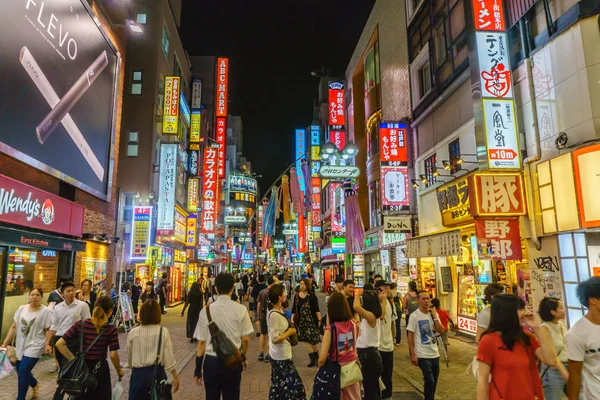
221, 133
192, 196
210, 191
392, 144
244, 184
166, 192
222, 89
300, 153
337, 113
140, 232
58, 65
195, 127
394, 188
170, 124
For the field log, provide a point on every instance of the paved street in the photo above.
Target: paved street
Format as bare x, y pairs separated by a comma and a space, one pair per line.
453, 383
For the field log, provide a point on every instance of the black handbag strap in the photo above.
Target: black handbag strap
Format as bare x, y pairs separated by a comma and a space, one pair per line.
156, 363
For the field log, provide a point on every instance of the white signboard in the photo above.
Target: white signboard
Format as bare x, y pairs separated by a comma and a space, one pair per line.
397, 223
441, 245
501, 134
166, 192
494, 65
196, 94
385, 258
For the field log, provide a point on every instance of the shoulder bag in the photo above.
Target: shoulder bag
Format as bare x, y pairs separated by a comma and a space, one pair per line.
294, 338
350, 373
437, 340
75, 378
226, 351
327, 383
160, 389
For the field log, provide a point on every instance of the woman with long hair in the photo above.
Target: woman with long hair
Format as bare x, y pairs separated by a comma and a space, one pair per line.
195, 300
86, 294
308, 316
286, 384
483, 318
507, 353
95, 357
410, 301
142, 348
346, 334
148, 292
30, 325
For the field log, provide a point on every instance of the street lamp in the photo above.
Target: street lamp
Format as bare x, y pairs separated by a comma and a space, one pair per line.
330, 152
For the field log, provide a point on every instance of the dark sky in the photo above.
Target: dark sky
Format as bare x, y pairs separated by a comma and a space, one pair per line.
273, 45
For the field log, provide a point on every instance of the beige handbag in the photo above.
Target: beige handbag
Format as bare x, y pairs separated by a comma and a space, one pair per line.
351, 372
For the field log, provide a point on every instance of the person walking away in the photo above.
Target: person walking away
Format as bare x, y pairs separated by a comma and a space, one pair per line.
95, 357
195, 301
387, 329
308, 316
582, 339
261, 309
445, 320
410, 301
163, 290
31, 323
349, 296
251, 303
422, 343
56, 296
367, 343
255, 292
483, 318
86, 294
136, 292
286, 383
142, 348
398, 308
239, 290
507, 353
233, 320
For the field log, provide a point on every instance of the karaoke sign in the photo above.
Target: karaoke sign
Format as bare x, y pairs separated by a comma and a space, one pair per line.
210, 191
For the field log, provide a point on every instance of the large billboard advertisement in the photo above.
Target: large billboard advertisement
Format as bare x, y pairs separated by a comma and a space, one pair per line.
166, 192
59, 91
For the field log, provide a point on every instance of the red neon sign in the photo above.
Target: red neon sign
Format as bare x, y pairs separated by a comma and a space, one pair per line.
221, 134
210, 191
222, 89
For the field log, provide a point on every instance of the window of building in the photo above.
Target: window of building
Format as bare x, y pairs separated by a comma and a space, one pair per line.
420, 71
375, 204
425, 79
430, 166
454, 152
133, 144
575, 269
141, 18
373, 138
165, 42
128, 203
136, 82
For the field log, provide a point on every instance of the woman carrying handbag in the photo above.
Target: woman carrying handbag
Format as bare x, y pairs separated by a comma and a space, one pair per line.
343, 331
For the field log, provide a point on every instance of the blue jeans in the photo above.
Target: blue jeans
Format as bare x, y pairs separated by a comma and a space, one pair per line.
554, 384
431, 371
25, 377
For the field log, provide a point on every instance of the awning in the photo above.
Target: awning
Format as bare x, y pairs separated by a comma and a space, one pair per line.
18, 237
437, 245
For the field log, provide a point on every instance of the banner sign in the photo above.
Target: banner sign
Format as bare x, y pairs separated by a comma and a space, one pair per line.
495, 79
440, 245
300, 153
171, 106
222, 89
196, 102
59, 89
195, 127
488, 15
498, 239
166, 192
315, 135
243, 184
316, 202
394, 188
497, 195
392, 144
180, 225
501, 128
194, 162
397, 223
337, 114
192, 197
210, 190
453, 202
221, 135
192, 231
140, 232
338, 138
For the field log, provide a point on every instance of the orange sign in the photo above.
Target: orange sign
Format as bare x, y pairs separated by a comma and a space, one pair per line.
587, 182
497, 195
222, 90
488, 15
498, 239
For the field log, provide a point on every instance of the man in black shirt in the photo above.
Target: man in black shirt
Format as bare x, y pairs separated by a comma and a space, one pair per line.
136, 292
349, 294
162, 292
255, 292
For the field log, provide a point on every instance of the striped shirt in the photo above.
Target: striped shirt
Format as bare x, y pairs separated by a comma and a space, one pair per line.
142, 346
110, 338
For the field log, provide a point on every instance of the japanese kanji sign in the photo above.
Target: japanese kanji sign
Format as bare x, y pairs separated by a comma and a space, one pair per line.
497, 194
394, 188
195, 127
392, 144
495, 76
488, 15
301, 149
166, 192
337, 108
453, 201
338, 138
222, 86
192, 197
193, 162
443, 244
316, 203
501, 137
210, 191
180, 225
192, 231
171, 106
221, 133
140, 241
498, 239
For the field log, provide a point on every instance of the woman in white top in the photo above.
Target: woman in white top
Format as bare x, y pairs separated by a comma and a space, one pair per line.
484, 317
142, 348
30, 325
285, 381
554, 379
368, 340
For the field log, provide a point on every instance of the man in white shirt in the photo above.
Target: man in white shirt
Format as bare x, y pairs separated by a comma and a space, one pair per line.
233, 320
583, 344
423, 344
386, 338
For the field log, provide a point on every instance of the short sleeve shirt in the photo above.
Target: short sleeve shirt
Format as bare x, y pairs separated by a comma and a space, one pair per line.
31, 326
583, 344
514, 372
483, 318
109, 339
422, 326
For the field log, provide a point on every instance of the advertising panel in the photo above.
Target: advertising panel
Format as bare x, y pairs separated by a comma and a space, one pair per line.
301, 234
394, 188
493, 58
243, 184
392, 144
210, 191
194, 162
180, 225
300, 153
315, 135
338, 138
166, 192
498, 239
195, 127
497, 195
443, 244
221, 134
192, 231
453, 202
192, 197
316, 204
397, 223
488, 15
336, 198
196, 102
501, 138
140, 232
222, 89
337, 113
171, 105
586, 164
58, 65
184, 109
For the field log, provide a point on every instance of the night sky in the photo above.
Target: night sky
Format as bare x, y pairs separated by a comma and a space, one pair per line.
273, 45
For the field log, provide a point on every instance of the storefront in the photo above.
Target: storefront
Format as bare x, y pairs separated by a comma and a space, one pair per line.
178, 277
39, 254
331, 265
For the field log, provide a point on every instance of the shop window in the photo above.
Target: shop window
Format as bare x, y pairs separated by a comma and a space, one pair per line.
575, 269
454, 152
136, 82
430, 166
420, 71
133, 144
128, 203
165, 42
29, 268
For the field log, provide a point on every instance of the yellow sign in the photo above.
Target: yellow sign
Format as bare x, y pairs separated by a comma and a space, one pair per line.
314, 153
171, 106
195, 127
191, 234
180, 256
180, 225
192, 198
453, 201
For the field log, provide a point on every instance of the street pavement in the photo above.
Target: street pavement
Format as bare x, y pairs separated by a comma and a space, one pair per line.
407, 380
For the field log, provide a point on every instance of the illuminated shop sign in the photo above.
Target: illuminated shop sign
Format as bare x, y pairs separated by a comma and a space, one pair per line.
195, 127
210, 191
315, 135
194, 161
339, 172
498, 239
140, 232
497, 195
171, 105
244, 184
192, 231
192, 197
196, 102
453, 202
180, 231
166, 193
221, 133
338, 138
222, 86
337, 113
394, 188
300, 153
397, 223
185, 110
392, 144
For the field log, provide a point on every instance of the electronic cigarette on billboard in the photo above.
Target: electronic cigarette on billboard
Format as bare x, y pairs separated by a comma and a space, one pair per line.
37, 76
52, 120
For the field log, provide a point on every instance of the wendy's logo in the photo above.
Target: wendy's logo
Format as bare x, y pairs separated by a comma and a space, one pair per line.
47, 212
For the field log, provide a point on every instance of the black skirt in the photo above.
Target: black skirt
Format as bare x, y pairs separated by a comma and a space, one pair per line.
141, 382
104, 389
